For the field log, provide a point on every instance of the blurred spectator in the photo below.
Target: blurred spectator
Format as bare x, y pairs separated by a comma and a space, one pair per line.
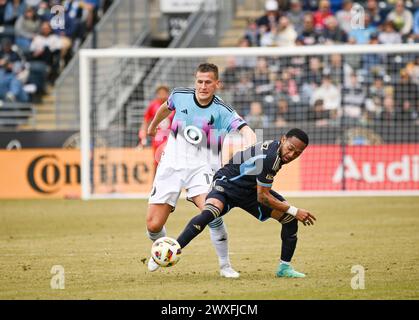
373, 62
33, 3
253, 34
389, 35
286, 86
362, 35
7, 52
376, 15
338, 70
11, 89
327, 92
26, 73
245, 62
92, 7
376, 95
283, 5
261, 78
318, 114
308, 36
310, 5
412, 69
46, 47
401, 17
332, 32
3, 4
44, 11
14, 9
406, 92
335, 5
256, 119
388, 115
353, 98
286, 33
321, 14
26, 28
344, 16
268, 37
243, 93
407, 113
283, 115
415, 34
311, 79
296, 15
231, 72
271, 16
315, 70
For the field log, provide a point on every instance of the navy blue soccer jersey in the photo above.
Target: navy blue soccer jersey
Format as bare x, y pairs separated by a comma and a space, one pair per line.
257, 165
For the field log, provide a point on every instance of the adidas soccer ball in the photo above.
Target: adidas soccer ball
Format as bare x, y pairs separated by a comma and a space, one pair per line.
166, 251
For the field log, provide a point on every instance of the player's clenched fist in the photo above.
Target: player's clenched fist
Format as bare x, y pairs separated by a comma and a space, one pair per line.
305, 217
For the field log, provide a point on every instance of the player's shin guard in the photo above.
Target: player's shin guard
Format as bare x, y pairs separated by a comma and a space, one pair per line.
218, 234
197, 224
153, 236
289, 240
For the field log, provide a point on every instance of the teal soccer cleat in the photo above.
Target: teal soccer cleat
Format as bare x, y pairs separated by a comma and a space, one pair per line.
287, 271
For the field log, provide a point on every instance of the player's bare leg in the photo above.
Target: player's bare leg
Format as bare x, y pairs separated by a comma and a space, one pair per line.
157, 216
219, 238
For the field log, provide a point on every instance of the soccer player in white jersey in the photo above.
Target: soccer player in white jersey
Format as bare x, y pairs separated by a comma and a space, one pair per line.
192, 155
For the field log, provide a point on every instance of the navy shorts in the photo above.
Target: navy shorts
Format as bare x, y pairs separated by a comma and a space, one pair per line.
232, 197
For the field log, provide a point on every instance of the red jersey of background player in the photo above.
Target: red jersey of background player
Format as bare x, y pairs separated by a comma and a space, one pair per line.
164, 127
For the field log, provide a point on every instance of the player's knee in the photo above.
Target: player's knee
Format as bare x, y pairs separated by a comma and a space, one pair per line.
154, 225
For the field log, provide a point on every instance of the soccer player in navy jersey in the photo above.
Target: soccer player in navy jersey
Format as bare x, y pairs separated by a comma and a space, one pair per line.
246, 182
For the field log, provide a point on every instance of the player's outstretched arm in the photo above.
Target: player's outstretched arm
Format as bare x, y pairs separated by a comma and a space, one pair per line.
266, 198
161, 114
249, 136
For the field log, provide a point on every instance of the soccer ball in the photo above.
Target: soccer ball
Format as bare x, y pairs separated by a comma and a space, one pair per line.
166, 252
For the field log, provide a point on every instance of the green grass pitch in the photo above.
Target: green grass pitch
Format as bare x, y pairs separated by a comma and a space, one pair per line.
102, 246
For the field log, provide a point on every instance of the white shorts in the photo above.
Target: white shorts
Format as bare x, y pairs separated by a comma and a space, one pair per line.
169, 181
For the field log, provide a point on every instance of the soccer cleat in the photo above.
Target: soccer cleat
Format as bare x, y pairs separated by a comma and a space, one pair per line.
152, 265
229, 272
287, 271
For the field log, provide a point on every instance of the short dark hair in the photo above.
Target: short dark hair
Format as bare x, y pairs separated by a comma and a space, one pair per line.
208, 67
299, 134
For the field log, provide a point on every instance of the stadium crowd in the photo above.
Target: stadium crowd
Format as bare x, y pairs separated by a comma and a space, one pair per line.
329, 89
32, 53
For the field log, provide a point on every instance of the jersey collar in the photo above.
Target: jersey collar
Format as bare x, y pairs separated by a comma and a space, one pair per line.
200, 105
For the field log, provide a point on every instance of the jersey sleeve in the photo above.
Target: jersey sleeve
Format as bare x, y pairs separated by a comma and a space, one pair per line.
271, 165
232, 121
171, 101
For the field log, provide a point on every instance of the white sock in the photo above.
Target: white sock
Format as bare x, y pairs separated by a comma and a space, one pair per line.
153, 236
285, 262
219, 238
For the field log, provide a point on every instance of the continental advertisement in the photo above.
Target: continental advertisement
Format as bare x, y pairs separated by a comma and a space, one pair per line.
56, 173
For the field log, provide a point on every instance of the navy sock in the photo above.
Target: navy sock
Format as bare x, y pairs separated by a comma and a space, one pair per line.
198, 224
289, 239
